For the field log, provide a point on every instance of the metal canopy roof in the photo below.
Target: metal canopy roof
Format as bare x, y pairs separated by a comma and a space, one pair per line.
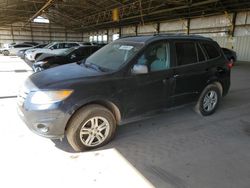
88, 15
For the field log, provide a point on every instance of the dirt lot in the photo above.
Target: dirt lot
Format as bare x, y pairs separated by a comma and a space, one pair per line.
178, 149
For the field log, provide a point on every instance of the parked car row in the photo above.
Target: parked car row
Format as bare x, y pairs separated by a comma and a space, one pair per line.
12, 50
21, 53
73, 54
44, 56
53, 48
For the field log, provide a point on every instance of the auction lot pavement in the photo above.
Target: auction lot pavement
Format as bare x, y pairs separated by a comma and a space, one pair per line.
177, 149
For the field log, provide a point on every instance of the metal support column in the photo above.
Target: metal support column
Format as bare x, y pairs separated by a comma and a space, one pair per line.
12, 35
233, 24
31, 33
107, 35
188, 26
158, 28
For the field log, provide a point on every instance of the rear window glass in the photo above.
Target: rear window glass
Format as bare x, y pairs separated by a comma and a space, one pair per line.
211, 50
201, 56
185, 53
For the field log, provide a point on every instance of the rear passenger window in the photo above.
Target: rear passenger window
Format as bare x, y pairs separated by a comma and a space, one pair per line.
211, 50
201, 56
185, 53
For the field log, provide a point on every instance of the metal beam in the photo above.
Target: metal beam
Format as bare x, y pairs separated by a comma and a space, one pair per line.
39, 12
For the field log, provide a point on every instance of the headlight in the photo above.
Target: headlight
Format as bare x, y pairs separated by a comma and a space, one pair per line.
41, 63
49, 97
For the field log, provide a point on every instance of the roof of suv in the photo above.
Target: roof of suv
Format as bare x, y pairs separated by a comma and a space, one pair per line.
148, 38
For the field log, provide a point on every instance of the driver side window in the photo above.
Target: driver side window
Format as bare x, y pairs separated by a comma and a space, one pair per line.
156, 57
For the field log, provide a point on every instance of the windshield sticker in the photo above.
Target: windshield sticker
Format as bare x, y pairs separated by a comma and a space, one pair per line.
126, 47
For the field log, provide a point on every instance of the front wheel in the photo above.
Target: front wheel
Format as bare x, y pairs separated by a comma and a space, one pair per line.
91, 127
209, 100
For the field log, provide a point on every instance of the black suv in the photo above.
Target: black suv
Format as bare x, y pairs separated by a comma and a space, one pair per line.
125, 79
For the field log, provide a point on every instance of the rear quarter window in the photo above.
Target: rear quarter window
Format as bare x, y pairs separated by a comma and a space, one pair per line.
211, 51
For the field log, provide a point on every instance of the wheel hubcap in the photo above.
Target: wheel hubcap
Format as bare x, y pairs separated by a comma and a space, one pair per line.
94, 131
210, 101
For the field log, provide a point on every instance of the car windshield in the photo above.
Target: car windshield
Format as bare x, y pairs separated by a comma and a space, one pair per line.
49, 45
112, 56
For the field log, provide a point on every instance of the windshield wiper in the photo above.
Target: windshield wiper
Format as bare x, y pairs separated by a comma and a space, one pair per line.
96, 67
93, 66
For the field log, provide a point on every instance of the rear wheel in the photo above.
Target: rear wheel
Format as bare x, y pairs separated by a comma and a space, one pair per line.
6, 52
91, 127
209, 100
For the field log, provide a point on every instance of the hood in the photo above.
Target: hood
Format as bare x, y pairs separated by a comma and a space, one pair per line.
60, 74
46, 56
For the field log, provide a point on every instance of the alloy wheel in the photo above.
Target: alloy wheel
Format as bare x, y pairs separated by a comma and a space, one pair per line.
210, 101
94, 131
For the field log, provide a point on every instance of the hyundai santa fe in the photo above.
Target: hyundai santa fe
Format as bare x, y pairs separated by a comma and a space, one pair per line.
126, 79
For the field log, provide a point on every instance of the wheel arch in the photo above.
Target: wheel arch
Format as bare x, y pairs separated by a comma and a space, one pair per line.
218, 83
37, 55
105, 103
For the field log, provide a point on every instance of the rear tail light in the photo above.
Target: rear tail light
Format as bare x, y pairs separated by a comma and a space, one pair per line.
229, 64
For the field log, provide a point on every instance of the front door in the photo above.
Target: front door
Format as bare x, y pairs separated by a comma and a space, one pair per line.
150, 91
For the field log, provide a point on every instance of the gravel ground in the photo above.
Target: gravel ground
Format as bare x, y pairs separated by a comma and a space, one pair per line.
177, 149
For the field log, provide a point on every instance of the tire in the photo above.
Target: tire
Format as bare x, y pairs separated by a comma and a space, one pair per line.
89, 138
6, 53
209, 100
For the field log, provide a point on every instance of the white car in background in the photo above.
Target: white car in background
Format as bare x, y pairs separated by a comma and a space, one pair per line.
52, 48
12, 50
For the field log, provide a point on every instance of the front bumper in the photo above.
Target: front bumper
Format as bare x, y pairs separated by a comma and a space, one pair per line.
49, 123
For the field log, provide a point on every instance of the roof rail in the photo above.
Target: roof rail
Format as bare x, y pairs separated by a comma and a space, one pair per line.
169, 34
128, 36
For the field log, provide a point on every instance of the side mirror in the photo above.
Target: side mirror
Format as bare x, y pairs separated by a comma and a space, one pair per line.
140, 69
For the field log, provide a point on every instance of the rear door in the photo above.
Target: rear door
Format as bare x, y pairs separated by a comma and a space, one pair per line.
190, 71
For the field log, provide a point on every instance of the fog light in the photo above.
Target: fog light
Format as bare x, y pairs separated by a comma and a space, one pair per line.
43, 128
